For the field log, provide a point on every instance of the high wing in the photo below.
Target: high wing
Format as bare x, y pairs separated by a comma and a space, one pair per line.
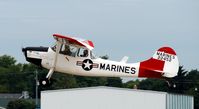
75, 41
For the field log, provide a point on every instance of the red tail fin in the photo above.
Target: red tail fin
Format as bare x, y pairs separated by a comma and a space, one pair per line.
163, 63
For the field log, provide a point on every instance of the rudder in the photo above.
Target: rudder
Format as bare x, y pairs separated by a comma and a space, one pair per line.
168, 55
163, 63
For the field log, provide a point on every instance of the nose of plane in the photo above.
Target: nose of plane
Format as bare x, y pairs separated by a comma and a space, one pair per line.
32, 54
23, 49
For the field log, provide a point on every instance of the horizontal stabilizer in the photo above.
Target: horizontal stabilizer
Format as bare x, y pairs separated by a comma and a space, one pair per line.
124, 59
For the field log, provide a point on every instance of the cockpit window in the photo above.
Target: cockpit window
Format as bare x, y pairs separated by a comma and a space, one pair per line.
67, 50
83, 52
71, 50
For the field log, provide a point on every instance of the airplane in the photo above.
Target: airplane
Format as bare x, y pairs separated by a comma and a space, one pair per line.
74, 56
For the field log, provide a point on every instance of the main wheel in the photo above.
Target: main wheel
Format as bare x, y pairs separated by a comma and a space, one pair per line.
45, 82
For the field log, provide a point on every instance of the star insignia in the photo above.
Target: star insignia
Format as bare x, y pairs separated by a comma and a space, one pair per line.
87, 64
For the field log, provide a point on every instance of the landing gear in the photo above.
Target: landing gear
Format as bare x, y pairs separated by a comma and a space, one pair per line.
45, 82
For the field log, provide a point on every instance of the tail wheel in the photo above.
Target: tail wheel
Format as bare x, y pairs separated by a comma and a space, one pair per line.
170, 82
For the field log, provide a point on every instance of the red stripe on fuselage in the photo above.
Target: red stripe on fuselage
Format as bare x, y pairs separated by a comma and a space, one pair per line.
150, 67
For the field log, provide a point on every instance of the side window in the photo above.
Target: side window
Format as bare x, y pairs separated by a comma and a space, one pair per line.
92, 56
68, 50
73, 50
65, 49
83, 52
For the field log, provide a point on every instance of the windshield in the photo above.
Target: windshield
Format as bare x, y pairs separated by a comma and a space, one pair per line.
54, 47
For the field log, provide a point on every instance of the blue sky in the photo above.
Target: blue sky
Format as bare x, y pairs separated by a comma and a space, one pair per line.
134, 28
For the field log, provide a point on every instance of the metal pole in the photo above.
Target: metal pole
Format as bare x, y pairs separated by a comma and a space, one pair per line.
36, 89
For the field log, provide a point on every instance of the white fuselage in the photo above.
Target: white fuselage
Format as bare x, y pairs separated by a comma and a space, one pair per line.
81, 61
85, 66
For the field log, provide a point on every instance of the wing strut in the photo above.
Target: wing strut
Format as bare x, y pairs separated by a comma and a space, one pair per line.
52, 69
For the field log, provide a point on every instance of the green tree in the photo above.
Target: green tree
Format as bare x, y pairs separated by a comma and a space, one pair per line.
8, 64
7, 61
192, 86
90, 81
11, 76
153, 84
21, 104
131, 84
179, 81
114, 82
63, 81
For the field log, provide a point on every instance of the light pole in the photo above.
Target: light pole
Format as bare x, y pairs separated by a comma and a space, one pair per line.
36, 89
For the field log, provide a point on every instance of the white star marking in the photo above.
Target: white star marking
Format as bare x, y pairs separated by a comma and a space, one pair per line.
87, 64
